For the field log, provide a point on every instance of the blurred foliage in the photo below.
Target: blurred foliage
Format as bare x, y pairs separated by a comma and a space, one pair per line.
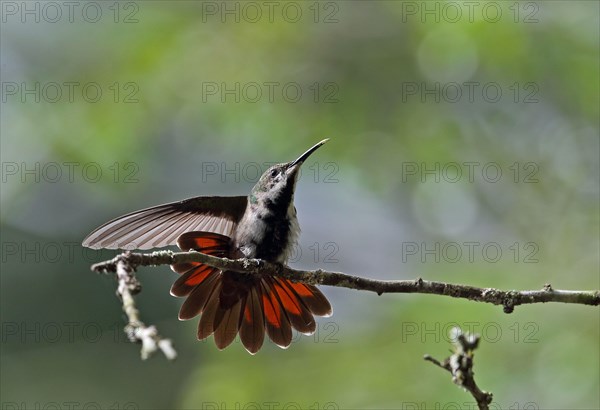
365, 59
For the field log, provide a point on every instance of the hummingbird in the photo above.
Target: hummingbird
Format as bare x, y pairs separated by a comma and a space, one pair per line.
262, 225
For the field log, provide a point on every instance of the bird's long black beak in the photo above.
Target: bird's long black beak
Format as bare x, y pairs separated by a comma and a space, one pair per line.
307, 154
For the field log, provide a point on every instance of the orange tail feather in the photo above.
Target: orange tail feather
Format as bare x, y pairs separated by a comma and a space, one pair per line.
230, 303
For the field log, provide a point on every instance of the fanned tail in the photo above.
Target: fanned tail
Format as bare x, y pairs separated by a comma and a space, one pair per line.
230, 303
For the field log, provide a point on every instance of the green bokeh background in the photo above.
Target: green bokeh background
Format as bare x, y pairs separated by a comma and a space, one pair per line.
62, 338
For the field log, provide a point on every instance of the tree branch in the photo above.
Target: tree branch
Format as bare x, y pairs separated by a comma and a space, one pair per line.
506, 298
136, 330
460, 365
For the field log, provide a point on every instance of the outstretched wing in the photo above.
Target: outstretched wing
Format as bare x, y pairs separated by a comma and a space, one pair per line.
162, 225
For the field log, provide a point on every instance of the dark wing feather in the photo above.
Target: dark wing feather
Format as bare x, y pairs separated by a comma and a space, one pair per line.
194, 273
227, 329
205, 326
195, 303
312, 297
277, 323
161, 225
252, 327
298, 313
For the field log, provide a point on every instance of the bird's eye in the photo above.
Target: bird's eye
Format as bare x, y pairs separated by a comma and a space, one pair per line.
274, 173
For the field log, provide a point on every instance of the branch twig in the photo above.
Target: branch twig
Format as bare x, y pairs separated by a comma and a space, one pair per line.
136, 330
506, 298
460, 365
